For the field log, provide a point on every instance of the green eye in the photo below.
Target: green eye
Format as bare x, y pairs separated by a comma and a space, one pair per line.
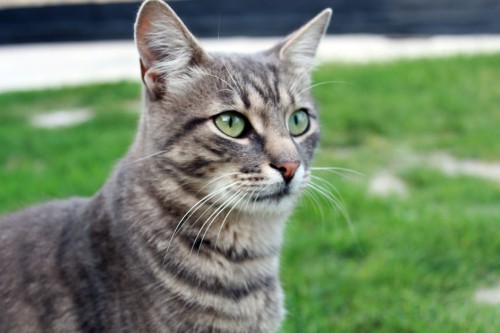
231, 123
298, 123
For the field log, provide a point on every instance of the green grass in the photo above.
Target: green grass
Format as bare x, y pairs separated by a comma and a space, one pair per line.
409, 264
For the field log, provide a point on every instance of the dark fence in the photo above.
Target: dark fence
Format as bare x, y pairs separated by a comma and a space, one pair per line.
210, 18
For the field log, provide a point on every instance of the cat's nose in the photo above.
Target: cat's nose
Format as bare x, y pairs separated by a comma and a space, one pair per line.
287, 169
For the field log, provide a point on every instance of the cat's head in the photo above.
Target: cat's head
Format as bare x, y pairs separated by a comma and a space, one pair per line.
238, 129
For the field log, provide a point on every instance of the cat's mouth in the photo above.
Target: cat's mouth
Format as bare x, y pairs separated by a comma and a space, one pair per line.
277, 195
276, 192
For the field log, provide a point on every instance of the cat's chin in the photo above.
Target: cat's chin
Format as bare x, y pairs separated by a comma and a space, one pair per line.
274, 198
271, 205
280, 202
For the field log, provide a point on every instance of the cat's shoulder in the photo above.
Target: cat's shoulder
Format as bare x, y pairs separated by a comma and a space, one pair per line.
42, 217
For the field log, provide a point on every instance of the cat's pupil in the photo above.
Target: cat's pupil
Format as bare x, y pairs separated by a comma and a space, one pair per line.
298, 122
231, 123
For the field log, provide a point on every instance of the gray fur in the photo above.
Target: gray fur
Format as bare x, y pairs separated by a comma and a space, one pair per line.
185, 235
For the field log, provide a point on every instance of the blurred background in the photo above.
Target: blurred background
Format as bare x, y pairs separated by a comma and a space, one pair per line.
92, 40
24, 21
399, 230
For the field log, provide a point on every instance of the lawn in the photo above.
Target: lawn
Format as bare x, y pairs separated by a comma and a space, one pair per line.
397, 263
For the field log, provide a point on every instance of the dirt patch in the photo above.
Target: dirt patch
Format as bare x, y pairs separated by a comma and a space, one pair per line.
62, 118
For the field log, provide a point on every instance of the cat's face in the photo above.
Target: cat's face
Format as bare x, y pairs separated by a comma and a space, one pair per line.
239, 130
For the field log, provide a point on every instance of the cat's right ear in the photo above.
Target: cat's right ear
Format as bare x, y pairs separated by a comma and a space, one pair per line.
166, 47
299, 49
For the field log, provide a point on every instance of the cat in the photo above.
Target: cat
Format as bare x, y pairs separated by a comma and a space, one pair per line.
185, 235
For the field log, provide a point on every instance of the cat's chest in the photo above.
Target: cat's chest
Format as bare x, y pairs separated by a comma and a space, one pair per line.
222, 278
211, 293
223, 308
216, 288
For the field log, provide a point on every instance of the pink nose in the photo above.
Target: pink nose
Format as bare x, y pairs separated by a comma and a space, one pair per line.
287, 169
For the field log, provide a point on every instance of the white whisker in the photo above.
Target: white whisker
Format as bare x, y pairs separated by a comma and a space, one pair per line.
237, 84
297, 79
320, 84
217, 178
331, 196
338, 171
311, 195
143, 158
194, 208
213, 217
227, 215
334, 201
233, 89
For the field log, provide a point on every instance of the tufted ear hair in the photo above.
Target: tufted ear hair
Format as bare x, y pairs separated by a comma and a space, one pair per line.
166, 47
299, 48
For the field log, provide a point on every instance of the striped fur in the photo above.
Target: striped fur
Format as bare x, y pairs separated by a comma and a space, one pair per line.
185, 236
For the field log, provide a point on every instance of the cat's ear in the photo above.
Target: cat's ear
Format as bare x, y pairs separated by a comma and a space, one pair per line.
299, 48
166, 47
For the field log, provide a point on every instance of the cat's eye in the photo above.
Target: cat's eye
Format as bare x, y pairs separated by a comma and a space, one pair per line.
231, 123
298, 123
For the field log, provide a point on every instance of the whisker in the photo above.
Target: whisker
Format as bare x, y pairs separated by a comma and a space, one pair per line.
212, 218
326, 193
335, 197
343, 211
210, 207
337, 170
142, 158
227, 215
336, 202
320, 84
311, 195
341, 204
297, 79
219, 177
250, 198
194, 208
231, 77
331, 199
218, 29
233, 89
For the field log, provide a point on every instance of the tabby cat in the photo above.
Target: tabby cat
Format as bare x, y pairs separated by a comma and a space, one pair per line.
185, 235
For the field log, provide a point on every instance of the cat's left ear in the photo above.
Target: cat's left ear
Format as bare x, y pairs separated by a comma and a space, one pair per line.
166, 46
299, 48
